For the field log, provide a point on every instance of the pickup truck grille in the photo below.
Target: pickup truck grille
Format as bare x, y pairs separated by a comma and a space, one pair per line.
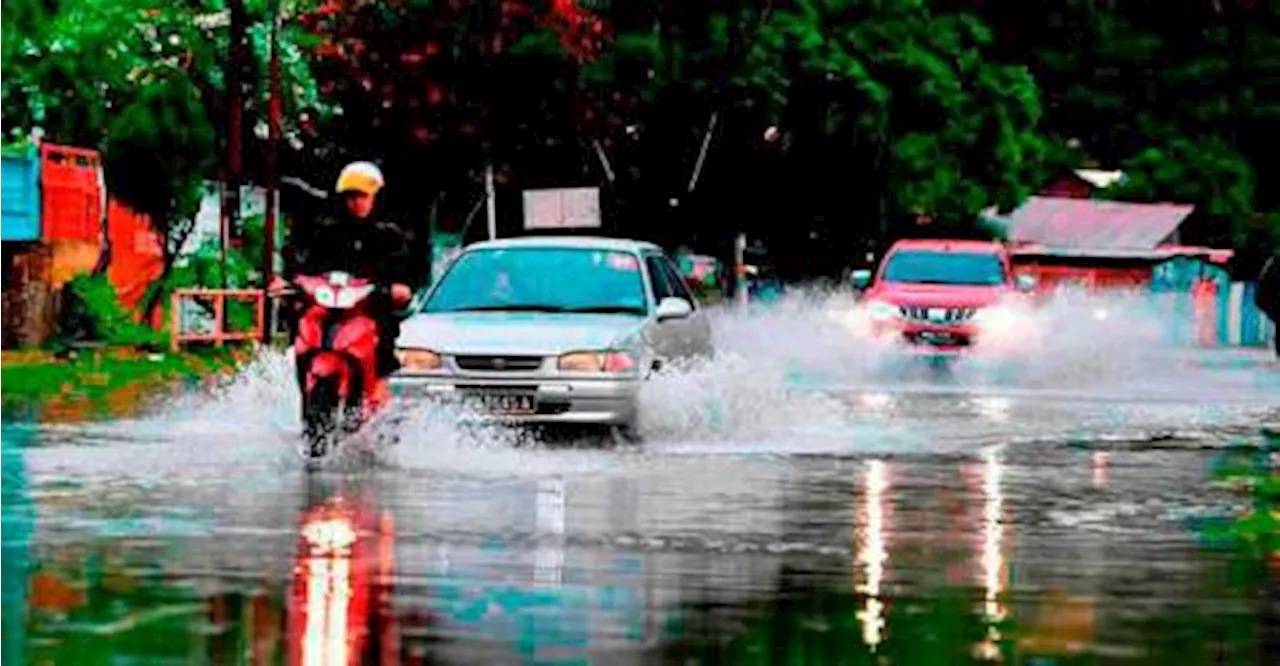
948, 315
499, 363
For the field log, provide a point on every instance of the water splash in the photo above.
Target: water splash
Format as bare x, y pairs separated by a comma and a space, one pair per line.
790, 377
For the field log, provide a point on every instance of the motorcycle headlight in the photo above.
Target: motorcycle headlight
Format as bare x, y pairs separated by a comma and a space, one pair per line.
348, 297
418, 359
881, 311
326, 297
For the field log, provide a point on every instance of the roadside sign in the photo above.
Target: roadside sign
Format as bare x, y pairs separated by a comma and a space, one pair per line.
562, 208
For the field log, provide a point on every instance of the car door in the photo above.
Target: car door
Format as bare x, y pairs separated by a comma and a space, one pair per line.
674, 338
696, 329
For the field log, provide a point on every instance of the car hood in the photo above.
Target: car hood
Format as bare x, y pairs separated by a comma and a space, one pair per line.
517, 333
939, 295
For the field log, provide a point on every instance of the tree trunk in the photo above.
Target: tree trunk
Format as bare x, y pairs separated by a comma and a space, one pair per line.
172, 245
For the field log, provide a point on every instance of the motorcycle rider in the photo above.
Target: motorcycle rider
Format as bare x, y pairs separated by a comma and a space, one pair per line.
357, 239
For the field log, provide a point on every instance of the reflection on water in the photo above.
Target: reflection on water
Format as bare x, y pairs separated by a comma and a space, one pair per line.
770, 561
17, 517
873, 555
330, 585
992, 556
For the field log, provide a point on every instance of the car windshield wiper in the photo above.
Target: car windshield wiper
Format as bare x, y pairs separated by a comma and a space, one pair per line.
947, 282
607, 309
515, 307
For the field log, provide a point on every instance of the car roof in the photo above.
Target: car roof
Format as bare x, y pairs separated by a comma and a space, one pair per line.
948, 245
571, 242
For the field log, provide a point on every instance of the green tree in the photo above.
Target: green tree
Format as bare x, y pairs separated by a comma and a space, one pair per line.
89, 73
910, 98
158, 147
1183, 97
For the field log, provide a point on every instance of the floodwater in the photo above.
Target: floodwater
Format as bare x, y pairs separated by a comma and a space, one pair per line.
797, 501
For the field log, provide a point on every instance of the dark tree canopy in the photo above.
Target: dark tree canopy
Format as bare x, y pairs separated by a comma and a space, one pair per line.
827, 125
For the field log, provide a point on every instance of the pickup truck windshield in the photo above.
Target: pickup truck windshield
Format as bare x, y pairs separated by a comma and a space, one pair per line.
932, 267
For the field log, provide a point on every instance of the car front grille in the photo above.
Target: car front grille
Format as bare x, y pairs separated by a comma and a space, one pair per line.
948, 315
499, 363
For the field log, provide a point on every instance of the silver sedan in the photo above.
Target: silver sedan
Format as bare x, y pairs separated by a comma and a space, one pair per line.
550, 330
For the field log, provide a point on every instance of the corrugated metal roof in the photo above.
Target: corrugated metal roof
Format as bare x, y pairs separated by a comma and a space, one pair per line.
1091, 223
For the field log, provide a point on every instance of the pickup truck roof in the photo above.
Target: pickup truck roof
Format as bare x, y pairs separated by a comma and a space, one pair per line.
949, 245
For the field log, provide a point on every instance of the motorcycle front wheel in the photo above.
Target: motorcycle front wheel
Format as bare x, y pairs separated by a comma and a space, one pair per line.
321, 414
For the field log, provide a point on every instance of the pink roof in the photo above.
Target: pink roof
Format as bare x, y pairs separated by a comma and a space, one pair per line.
1092, 223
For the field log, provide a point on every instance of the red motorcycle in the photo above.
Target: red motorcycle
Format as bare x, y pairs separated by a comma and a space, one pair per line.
335, 346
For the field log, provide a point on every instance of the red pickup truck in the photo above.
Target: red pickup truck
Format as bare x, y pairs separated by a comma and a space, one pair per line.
945, 297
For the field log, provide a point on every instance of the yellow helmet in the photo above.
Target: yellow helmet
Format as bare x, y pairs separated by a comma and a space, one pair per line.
363, 177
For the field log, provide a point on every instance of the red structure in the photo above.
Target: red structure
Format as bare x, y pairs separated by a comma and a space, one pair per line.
1094, 243
1069, 187
1081, 184
137, 254
71, 194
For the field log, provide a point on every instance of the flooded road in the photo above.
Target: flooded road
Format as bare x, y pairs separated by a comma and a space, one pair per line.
786, 508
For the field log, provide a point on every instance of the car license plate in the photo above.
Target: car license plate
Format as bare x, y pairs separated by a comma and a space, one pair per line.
504, 404
936, 338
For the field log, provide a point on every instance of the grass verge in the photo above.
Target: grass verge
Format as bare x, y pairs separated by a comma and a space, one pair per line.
38, 386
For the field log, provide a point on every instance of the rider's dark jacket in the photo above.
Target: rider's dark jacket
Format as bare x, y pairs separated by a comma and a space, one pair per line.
371, 248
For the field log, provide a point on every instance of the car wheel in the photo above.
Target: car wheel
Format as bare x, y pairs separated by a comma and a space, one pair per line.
624, 435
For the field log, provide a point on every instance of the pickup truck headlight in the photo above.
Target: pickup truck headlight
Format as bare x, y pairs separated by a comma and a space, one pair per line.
881, 311
996, 316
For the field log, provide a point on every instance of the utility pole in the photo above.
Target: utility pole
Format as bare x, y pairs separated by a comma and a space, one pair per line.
490, 204
740, 289
233, 172
272, 165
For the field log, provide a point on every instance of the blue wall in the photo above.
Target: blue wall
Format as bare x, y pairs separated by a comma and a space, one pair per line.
20, 198
1240, 321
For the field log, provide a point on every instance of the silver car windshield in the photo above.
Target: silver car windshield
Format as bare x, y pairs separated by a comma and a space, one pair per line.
541, 280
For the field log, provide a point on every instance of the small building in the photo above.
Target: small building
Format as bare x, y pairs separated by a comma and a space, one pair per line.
1099, 243
1114, 245
57, 222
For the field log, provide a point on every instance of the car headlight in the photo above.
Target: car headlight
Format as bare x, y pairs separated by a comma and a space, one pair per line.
418, 359
995, 316
881, 311
614, 362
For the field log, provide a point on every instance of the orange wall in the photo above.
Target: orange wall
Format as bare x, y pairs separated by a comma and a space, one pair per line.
137, 253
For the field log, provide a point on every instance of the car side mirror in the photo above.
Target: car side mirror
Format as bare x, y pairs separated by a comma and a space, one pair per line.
861, 279
1025, 282
672, 307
